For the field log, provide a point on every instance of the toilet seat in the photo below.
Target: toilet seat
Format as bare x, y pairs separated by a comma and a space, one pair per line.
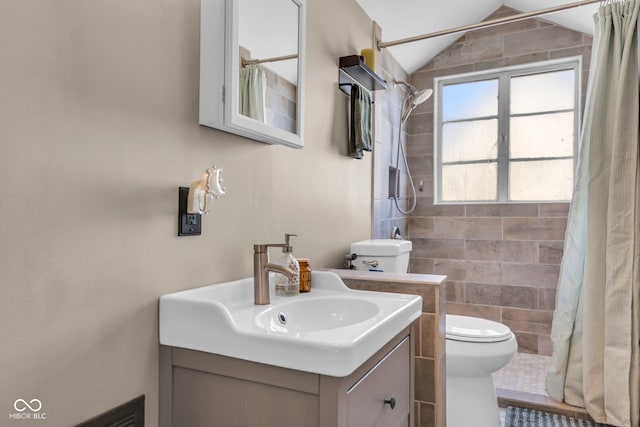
474, 329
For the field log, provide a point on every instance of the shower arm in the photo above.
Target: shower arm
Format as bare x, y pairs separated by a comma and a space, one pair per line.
411, 88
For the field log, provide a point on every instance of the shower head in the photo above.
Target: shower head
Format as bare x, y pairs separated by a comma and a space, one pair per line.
420, 96
413, 100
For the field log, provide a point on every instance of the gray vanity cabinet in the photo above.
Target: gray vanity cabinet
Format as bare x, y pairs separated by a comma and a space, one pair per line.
202, 389
388, 382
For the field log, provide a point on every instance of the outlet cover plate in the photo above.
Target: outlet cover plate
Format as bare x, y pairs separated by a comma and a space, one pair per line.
188, 224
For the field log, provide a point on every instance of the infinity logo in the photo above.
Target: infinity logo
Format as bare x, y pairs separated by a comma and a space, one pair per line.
21, 405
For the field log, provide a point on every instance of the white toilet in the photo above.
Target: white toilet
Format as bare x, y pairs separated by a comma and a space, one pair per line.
475, 349
388, 255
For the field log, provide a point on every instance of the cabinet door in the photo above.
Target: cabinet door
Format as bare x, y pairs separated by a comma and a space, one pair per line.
388, 380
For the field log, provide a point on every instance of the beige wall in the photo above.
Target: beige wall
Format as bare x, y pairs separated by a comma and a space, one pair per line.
98, 128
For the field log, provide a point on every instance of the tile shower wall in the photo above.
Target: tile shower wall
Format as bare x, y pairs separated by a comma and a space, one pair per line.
502, 261
386, 121
281, 102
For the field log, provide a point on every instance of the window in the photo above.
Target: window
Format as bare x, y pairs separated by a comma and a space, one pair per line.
507, 135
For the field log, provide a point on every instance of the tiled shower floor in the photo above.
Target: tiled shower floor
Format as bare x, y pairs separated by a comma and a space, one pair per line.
521, 383
525, 373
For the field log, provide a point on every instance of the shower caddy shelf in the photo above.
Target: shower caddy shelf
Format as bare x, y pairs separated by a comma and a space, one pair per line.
353, 70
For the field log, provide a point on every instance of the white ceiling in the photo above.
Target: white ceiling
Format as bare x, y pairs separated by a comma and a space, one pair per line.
406, 18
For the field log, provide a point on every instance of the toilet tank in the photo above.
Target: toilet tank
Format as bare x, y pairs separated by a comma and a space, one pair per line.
388, 255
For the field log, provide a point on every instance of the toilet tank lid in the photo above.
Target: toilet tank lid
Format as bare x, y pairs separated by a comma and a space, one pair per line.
475, 329
381, 247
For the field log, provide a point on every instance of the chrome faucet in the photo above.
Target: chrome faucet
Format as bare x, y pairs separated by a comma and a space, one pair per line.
261, 269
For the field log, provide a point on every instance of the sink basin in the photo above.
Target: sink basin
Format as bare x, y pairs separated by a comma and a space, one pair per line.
331, 330
316, 314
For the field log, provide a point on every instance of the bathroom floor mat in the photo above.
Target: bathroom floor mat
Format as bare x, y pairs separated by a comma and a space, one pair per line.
523, 417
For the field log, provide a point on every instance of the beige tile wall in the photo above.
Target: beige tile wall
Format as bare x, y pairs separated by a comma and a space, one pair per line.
281, 102
430, 367
502, 261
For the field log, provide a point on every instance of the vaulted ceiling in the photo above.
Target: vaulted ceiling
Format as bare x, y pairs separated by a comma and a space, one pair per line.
406, 18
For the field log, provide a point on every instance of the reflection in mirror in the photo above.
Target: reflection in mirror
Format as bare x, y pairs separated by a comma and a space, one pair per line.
257, 91
268, 71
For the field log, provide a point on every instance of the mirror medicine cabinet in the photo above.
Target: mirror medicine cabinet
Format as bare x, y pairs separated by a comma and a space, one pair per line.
252, 68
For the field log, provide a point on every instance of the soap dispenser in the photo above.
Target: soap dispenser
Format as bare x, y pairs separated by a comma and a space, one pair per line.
288, 286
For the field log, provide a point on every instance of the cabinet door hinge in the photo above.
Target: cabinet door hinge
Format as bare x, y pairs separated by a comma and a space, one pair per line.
223, 94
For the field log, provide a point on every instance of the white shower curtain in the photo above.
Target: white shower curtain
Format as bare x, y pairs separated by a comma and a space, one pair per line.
595, 332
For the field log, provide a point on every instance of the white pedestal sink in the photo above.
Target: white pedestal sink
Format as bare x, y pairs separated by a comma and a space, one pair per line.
332, 330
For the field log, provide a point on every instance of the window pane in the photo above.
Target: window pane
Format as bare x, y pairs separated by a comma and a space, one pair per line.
469, 100
545, 135
471, 182
543, 92
475, 140
541, 180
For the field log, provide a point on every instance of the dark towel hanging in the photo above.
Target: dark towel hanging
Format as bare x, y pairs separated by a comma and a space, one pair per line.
360, 129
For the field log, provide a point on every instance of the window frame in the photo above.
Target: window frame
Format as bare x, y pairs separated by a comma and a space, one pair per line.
503, 75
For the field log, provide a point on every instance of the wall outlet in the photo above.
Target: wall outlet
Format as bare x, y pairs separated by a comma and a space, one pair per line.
188, 224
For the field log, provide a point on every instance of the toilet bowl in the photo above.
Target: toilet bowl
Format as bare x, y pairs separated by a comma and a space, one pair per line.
475, 349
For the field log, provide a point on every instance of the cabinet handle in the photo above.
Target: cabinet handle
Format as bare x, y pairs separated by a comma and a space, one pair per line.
391, 402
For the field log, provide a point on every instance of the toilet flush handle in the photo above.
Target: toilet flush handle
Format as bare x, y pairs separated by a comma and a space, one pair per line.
373, 263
